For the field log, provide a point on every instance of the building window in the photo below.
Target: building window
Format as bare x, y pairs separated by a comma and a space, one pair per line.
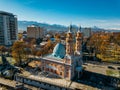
42, 68
52, 70
55, 65
47, 69
60, 73
55, 71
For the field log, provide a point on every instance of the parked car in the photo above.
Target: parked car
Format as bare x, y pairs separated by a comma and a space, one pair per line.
118, 68
110, 67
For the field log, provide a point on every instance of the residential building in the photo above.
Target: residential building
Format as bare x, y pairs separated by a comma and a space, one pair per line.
8, 28
35, 31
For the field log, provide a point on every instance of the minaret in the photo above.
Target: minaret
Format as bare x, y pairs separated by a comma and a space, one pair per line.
69, 43
69, 58
78, 46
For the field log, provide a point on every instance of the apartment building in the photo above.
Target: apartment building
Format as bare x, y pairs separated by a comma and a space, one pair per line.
8, 28
34, 31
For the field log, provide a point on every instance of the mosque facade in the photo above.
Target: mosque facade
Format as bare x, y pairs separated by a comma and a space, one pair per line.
65, 61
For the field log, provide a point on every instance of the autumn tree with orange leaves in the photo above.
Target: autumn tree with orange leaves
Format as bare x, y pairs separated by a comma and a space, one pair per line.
19, 52
105, 45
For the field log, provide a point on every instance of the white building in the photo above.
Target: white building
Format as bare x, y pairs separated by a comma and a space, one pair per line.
8, 28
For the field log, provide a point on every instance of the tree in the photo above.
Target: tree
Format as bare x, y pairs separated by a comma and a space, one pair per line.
48, 48
117, 38
38, 41
98, 43
33, 41
39, 53
18, 52
20, 36
105, 45
2, 49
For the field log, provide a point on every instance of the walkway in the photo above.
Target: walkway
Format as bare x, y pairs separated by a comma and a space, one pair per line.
12, 84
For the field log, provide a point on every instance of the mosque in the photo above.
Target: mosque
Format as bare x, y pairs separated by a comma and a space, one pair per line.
65, 62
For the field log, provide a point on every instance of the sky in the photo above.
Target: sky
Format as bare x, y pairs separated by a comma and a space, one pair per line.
87, 13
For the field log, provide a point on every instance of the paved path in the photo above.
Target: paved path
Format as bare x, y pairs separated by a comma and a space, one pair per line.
12, 83
7, 82
63, 83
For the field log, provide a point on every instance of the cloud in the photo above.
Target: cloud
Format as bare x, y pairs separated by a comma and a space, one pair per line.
101, 21
110, 23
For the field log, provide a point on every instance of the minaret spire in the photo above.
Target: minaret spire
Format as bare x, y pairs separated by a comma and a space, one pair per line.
78, 41
79, 28
69, 42
70, 28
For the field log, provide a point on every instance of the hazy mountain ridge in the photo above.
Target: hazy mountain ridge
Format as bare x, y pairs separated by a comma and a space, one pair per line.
22, 25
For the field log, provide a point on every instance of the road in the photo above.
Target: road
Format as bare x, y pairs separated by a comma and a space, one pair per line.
100, 67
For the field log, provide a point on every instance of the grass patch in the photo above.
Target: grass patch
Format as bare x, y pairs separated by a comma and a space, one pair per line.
113, 73
9, 59
108, 58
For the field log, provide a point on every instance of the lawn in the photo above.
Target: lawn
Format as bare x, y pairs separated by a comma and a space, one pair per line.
10, 60
108, 58
113, 73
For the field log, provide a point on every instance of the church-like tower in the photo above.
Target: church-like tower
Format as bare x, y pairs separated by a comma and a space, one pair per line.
69, 57
73, 58
69, 43
78, 47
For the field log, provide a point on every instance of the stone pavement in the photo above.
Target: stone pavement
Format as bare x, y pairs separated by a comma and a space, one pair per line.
12, 83
7, 82
63, 83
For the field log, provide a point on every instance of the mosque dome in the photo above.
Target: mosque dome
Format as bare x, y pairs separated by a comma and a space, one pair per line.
59, 51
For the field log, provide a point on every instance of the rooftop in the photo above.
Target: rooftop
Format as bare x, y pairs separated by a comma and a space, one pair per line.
57, 55
6, 13
53, 59
33, 25
59, 51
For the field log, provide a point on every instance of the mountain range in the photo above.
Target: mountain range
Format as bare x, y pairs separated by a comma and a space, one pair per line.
22, 26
